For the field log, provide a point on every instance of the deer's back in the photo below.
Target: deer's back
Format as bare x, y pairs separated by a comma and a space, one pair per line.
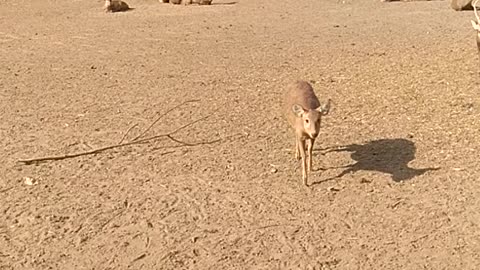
300, 93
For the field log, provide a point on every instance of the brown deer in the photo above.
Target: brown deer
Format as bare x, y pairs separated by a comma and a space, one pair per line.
304, 113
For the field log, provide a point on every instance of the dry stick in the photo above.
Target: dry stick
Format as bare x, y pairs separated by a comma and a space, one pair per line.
140, 257
156, 120
126, 133
169, 134
112, 218
60, 157
178, 141
162, 115
98, 150
6, 189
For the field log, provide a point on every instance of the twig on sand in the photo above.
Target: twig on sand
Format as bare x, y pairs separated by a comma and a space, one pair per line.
126, 133
136, 140
6, 189
161, 116
112, 218
143, 255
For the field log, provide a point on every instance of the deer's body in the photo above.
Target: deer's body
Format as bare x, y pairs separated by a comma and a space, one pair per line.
303, 112
115, 6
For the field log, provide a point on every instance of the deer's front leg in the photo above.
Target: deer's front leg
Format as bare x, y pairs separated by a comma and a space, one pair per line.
297, 147
310, 150
301, 144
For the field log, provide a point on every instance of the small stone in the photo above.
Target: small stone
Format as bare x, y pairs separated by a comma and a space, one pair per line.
29, 181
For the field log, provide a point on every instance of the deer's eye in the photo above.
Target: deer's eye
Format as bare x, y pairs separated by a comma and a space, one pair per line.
307, 121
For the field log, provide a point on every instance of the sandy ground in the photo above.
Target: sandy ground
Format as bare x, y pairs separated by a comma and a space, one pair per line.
396, 181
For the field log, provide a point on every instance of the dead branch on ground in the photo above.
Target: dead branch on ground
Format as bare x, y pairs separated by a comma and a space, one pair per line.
135, 140
126, 133
161, 116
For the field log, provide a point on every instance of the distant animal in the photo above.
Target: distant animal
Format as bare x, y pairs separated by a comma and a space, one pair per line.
188, 2
459, 5
304, 113
115, 6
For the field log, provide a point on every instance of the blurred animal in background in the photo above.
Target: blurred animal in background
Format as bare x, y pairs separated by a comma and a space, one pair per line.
115, 6
461, 4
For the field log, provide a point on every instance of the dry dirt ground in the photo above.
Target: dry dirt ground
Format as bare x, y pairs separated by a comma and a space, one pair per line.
396, 181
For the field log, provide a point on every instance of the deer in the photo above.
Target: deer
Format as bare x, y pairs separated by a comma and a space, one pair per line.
304, 113
115, 6
476, 24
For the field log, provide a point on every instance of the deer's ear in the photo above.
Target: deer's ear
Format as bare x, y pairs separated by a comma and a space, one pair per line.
475, 25
325, 109
298, 110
